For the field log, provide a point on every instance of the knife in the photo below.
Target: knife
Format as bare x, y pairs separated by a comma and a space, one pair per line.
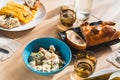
100, 77
4, 50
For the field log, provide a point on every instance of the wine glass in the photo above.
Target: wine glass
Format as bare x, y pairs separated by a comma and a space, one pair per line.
84, 65
67, 15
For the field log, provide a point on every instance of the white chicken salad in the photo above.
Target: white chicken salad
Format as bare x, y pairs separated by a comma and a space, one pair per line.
46, 60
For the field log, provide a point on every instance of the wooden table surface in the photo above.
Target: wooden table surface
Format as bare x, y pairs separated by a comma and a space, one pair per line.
14, 68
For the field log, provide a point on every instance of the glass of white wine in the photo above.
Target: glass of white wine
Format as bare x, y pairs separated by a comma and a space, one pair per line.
84, 65
67, 16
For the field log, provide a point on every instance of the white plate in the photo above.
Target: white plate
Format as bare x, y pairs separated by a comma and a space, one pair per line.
116, 74
65, 75
40, 15
104, 71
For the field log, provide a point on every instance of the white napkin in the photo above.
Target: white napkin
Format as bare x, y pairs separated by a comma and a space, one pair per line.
114, 58
8, 44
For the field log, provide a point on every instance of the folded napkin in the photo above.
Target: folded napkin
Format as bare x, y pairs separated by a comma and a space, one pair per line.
114, 58
8, 44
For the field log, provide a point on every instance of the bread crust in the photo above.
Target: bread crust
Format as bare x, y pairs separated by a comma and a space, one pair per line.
101, 33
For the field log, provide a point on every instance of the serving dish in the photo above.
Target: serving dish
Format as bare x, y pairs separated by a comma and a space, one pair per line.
104, 74
91, 48
104, 71
115, 76
39, 16
45, 42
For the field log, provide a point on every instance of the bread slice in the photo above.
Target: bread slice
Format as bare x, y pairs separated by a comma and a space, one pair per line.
75, 40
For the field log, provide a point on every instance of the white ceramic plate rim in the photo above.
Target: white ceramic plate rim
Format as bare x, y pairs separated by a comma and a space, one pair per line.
114, 75
39, 17
104, 71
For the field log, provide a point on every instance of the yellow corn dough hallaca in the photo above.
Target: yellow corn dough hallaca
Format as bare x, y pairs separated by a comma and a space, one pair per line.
20, 11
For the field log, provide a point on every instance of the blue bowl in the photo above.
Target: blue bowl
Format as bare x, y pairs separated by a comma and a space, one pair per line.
45, 43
